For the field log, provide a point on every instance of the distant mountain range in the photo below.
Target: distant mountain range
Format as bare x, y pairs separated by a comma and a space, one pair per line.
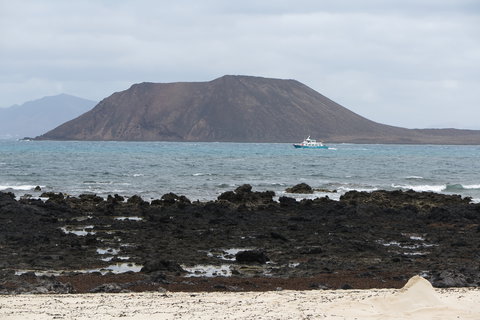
39, 116
237, 109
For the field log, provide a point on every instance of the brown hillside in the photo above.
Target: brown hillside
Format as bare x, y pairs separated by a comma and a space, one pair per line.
240, 109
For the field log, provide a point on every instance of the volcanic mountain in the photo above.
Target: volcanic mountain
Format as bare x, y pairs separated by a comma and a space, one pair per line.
237, 109
36, 117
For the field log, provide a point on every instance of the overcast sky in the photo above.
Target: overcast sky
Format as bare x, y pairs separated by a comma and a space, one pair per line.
411, 63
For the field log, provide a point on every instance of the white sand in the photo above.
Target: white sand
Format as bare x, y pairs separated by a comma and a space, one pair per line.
417, 300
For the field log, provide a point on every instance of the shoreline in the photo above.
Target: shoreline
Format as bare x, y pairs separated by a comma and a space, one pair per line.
242, 241
416, 300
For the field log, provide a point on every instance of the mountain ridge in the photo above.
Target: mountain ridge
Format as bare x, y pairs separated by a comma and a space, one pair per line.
236, 108
37, 116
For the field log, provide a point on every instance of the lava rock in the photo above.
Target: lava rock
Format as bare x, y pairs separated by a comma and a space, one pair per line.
245, 195
108, 288
346, 286
135, 199
251, 256
161, 265
300, 188
287, 201
171, 198
446, 279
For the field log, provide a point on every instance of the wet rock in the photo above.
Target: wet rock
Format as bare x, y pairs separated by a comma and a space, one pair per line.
245, 195
52, 196
251, 256
244, 189
287, 201
423, 201
319, 286
448, 278
161, 265
118, 198
220, 287
135, 199
395, 233
30, 284
108, 288
158, 277
7, 198
162, 290
278, 236
346, 287
90, 198
325, 190
300, 188
312, 250
172, 198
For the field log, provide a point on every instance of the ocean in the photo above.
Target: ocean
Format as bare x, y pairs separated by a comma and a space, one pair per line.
201, 171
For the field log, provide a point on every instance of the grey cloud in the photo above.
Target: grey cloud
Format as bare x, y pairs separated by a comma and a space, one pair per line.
386, 60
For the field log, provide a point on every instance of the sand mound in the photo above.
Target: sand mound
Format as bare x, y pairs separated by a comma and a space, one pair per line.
416, 296
418, 290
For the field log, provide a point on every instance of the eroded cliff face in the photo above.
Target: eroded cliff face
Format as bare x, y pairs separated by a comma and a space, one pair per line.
237, 109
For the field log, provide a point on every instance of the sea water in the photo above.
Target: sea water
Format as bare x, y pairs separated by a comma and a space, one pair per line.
204, 170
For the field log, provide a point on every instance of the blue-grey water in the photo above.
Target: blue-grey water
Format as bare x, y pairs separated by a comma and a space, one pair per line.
204, 170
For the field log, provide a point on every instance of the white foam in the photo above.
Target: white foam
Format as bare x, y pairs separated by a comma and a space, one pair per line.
78, 230
416, 253
83, 218
472, 186
365, 189
107, 259
23, 187
228, 254
111, 251
420, 238
129, 218
422, 188
113, 268
98, 182
201, 270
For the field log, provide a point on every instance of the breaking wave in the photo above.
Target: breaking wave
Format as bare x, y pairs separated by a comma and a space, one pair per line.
460, 187
24, 187
439, 188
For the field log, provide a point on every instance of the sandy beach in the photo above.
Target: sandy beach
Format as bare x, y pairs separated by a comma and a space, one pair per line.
417, 300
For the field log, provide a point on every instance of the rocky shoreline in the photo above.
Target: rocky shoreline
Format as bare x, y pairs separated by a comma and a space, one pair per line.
244, 241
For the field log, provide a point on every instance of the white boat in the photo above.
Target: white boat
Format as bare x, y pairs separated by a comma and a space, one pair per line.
310, 144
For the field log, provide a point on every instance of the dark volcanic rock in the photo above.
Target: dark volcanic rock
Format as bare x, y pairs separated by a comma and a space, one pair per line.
252, 256
30, 284
376, 236
287, 201
171, 198
135, 200
245, 195
446, 279
300, 188
161, 265
403, 199
108, 288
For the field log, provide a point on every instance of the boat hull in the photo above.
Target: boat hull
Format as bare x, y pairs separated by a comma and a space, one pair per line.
298, 146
